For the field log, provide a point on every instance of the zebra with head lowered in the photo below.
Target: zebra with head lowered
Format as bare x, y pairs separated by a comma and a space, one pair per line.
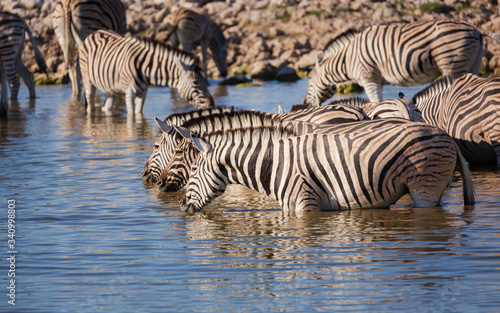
328, 171
12, 32
74, 20
190, 29
117, 64
468, 108
399, 54
169, 139
402, 108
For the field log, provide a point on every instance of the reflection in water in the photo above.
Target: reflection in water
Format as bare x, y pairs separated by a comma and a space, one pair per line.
94, 237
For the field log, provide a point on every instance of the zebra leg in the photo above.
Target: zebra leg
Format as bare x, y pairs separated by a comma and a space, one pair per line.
140, 97
26, 75
373, 91
108, 103
204, 45
12, 78
90, 97
130, 99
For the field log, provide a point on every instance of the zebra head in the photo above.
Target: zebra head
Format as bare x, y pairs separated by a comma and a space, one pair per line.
413, 110
208, 179
192, 85
319, 89
177, 172
162, 152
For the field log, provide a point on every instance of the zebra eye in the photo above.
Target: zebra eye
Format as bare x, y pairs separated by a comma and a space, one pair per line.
157, 147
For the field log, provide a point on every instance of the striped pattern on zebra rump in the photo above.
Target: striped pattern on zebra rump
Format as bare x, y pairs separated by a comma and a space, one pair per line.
469, 111
328, 171
164, 147
74, 20
117, 64
12, 32
190, 29
399, 54
166, 143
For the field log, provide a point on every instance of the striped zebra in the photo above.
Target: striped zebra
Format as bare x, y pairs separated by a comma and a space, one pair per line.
328, 171
468, 109
74, 20
399, 54
12, 32
165, 145
190, 29
177, 171
402, 108
117, 64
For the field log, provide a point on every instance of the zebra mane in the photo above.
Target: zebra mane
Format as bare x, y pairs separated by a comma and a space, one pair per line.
179, 118
166, 48
246, 134
357, 102
234, 119
435, 88
336, 44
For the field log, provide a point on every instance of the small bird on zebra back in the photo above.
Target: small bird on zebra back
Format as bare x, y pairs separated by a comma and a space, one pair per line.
191, 29
74, 20
468, 108
12, 32
403, 54
118, 64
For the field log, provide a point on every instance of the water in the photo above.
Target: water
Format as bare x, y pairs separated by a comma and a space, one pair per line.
91, 237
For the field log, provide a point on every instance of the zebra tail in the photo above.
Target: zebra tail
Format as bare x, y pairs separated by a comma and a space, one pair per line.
467, 184
38, 55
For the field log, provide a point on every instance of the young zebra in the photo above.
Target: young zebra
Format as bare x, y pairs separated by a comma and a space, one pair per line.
12, 33
178, 170
468, 109
399, 54
328, 171
117, 64
190, 29
74, 20
165, 145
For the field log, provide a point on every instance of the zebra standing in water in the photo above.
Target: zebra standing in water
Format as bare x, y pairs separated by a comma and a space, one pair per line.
399, 54
168, 140
468, 108
190, 29
4, 104
117, 64
74, 20
12, 33
328, 171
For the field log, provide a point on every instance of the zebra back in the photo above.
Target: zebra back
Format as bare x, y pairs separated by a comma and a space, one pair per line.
435, 88
393, 108
336, 44
333, 113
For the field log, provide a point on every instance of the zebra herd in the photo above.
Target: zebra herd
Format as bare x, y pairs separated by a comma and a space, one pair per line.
349, 154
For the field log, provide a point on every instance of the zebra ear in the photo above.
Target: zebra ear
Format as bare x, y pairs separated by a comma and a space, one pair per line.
319, 59
163, 126
280, 110
201, 144
185, 66
183, 131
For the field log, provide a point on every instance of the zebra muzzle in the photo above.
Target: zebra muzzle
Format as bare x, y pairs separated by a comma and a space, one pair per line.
188, 208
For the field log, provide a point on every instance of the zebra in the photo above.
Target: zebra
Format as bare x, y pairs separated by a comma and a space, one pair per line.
177, 171
12, 33
468, 108
165, 145
74, 20
4, 104
190, 29
328, 171
399, 54
118, 64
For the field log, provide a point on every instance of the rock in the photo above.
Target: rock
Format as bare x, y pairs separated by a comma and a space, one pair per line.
264, 70
31, 4
235, 80
307, 61
287, 74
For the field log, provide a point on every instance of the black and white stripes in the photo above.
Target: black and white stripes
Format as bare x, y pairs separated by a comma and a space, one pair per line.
117, 64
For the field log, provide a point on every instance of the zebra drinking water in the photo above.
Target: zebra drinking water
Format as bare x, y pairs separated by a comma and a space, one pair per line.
190, 29
74, 20
468, 108
328, 171
12, 32
399, 54
117, 64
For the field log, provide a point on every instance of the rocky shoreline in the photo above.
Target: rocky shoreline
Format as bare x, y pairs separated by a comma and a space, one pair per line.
268, 36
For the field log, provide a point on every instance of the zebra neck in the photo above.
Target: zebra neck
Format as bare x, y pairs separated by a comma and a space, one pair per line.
432, 108
337, 68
